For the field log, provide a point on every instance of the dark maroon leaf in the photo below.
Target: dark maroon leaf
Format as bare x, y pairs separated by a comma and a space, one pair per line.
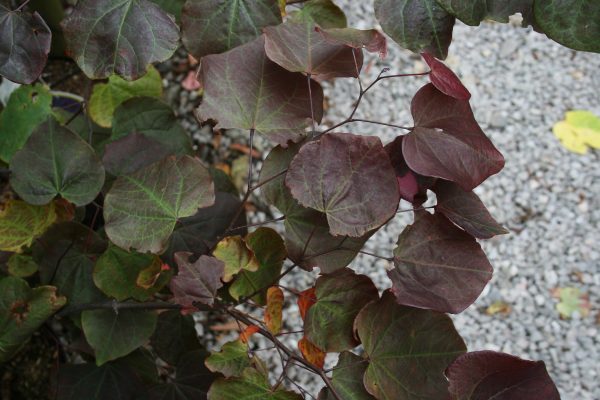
371, 40
487, 375
447, 142
466, 210
438, 266
299, 47
243, 89
121, 37
132, 152
197, 281
339, 175
444, 79
25, 45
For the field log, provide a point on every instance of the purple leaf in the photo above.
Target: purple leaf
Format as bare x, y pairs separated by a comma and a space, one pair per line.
299, 47
444, 79
25, 45
243, 89
132, 152
197, 281
466, 210
447, 142
349, 178
438, 266
371, 40
486, 375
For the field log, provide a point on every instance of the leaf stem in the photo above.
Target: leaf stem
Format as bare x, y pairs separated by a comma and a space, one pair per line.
67, 95
22, 5
116, 306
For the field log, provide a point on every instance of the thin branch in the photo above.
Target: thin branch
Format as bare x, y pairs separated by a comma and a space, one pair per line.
381, 123
290, 2
22, 5
374, 255
277, 175
269, 221
116, 306
67, 95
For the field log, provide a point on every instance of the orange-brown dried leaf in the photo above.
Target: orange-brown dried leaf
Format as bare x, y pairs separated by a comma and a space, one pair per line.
311, 353
248, 332
274, 311
306, 299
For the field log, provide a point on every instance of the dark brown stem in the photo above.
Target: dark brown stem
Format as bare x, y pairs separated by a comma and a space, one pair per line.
22, 5
375, 255
262, 222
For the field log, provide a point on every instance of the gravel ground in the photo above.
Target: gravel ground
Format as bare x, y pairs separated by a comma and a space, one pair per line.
522, 83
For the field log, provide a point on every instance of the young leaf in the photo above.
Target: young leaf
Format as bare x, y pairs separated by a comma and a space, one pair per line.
579, 131
299, 47
311, 353
198, 281
472, 12
484, 375
21, 265
575, 24
251, 385
122, 275
274, 310
236, 255
106, 97
232, 360
331, 175
348, 378
141, 209
572, 300
25, 45
27, 107
306, 300
21, 223
243, 89
447, 142
215, 26
174, 336
466, 210
432, 253
122, 37
320, 12
371, 40
340, 296
444, 79
22, 311
408, 350
130, 153
418, 25
56, 161
113, 335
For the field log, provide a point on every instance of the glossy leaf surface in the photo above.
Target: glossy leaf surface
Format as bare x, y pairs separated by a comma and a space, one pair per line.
243, 89
339, 175
486, 375
231, 360
408, 350
340, 296
215, 26
251, 385
56, 161
197, 281
21, 223
347, 379
25, 45
444, 79
120, 37
141, 209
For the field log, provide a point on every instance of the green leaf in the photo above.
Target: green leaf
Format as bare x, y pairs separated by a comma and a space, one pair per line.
22, 311
141, 209
251, 385
572, 300
579, 131
347, 379
408, 350
572, 23
231, 360
236, 255
269, 251
106, 97
56, 161
418, 25
21, 223
321, 12
340, 296
472, 12
172, 7
215, 26
122, 37
154, 119
174, 336
27, 107
21, 265
124, 275
116, 334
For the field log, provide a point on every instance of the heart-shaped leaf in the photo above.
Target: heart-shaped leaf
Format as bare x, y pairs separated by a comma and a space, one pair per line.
347, 378
472, 12
141, 209
174, 336
215, 26
243, 89
197, 281
447, 142
56, 161
21, 223
132, 152
340, 296
299, 47
231, 360
438, 266
466, 210
408, 350
340, 173
486, 375
418, 25
21, 265
27, 107
251, 385
444, 79
320, 12
236, 255
121, 37
371, 40
25, 45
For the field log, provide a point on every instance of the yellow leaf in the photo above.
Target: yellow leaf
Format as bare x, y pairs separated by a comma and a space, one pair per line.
274, 311
21, 223
236, 255
579, 131
311, 353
